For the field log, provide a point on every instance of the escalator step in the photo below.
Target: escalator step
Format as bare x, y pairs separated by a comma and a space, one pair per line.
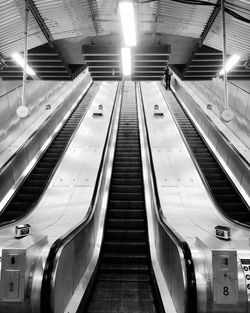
126, 182
130, 294
125, 246
125, 306
130, 224
124, 268
126, 214
125, 234
119, 175
127, 258
116, 277
118, 187
128, 205
126, 196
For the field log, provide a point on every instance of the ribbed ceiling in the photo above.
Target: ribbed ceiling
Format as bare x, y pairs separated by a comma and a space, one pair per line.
183, 19
63, 26
12, 28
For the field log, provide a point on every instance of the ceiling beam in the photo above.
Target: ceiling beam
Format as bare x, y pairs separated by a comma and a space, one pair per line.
210, 22
41, 23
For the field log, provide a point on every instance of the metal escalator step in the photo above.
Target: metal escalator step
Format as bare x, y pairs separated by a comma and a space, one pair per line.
130, 224
115, 204
126, 214
124, 268
211, 170
18, 206
118, 187
34, 183
41, 170
134, 286
233, 207
222, 190
116, 277
30, 189
126, 196
137, 258
123, 169
126, 182
130, 294
43, 164
228, 198
215, 182
20, 197
116, 306
120, 175
125, 234
125, 246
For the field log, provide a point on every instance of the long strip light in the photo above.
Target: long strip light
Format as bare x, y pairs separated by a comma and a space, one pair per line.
20, 61
231, 62
126, 61
128, 22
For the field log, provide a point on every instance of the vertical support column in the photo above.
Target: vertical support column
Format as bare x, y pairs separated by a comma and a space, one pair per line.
224, 53
25, 51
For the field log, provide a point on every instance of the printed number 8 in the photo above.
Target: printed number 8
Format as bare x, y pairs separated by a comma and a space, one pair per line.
225, 291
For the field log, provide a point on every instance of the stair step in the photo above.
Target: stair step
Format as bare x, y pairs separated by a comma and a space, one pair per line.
125, 246
125, 258
124, 306
125, 234
116, 204
126, 196
124, 268
126, 223
126, 214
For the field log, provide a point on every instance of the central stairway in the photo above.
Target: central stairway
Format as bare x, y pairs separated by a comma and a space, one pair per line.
124, 282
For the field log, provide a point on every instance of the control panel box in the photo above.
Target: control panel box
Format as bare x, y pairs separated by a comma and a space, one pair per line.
225, 277
12, 275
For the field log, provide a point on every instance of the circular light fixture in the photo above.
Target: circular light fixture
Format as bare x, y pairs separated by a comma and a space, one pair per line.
22, 111
227, 115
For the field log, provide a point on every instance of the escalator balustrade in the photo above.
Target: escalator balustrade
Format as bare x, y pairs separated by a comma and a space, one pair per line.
225, 194
31, 189
124, 281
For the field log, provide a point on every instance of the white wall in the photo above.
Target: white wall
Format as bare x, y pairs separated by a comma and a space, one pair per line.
39, 93
212, 92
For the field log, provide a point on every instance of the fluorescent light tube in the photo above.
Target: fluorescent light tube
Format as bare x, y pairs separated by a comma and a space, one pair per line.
20, 61
126, 61
231, 62
128, 22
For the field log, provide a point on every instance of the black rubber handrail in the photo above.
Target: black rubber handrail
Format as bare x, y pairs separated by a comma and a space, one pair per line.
47, 280
190, 271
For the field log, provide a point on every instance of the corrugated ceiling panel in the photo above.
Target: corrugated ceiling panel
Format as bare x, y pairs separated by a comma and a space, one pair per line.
183, 19
147, 15
237, 36
12, 28
68, 18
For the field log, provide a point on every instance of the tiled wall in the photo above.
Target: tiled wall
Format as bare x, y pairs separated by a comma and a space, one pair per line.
212, 92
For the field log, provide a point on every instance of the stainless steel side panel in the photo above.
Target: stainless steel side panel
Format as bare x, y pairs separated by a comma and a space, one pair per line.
237, 168
26, 157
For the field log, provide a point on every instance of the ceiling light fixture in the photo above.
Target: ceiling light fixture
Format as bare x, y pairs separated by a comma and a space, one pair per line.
20, 61
128, 22
126, 61
231, 62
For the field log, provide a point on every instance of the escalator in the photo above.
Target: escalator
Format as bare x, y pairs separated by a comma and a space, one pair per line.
224, 192
29, 192
124, 281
